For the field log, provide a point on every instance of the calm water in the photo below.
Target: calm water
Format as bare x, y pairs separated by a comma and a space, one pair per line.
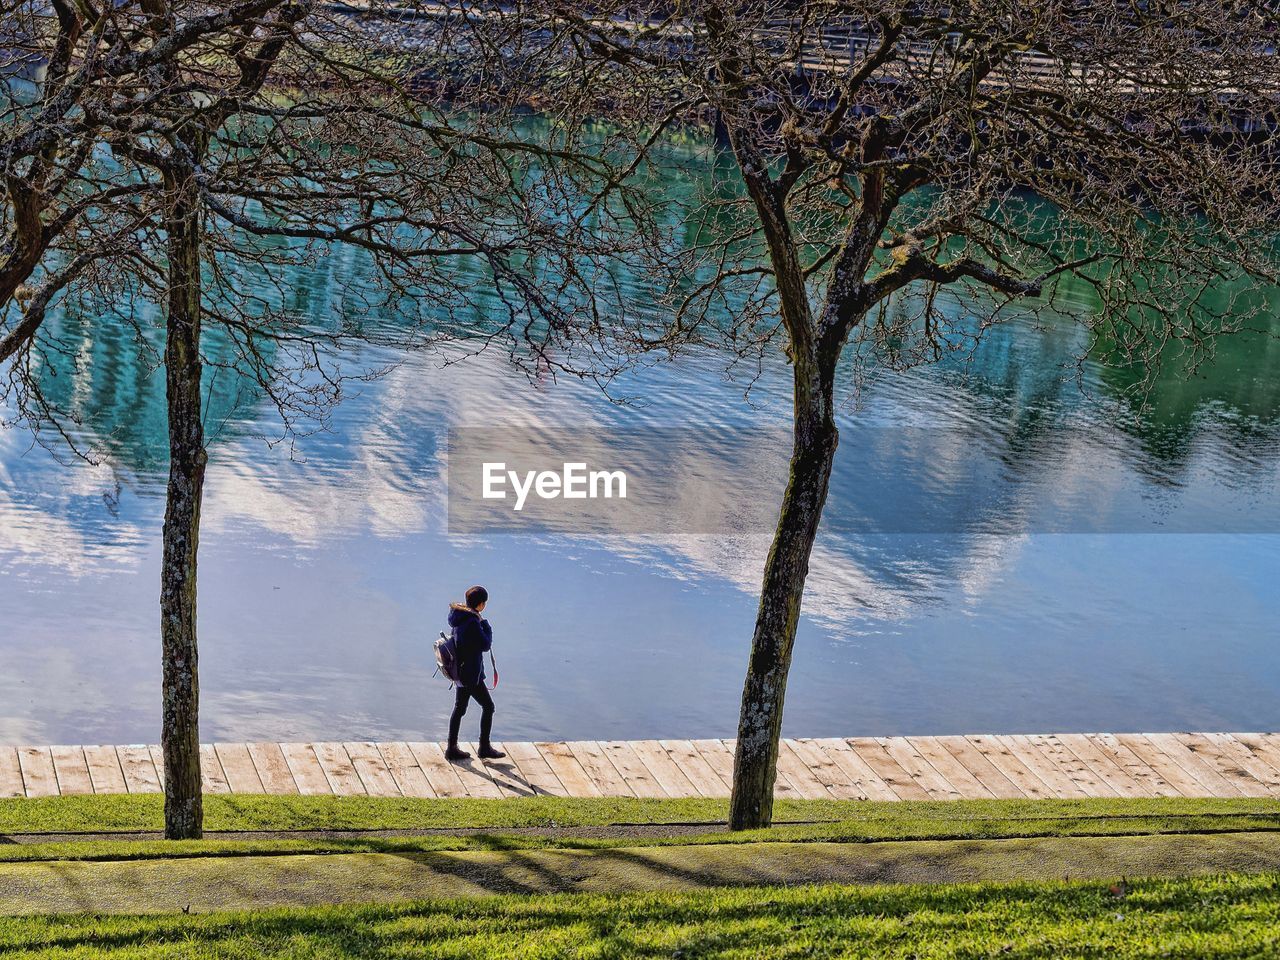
326, 567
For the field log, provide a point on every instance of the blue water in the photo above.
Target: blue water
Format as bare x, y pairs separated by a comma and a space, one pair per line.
326, 565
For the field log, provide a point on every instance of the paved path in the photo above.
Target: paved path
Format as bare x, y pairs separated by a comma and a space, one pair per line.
202, 884
859, 768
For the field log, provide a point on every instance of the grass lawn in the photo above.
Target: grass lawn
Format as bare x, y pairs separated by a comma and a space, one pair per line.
330, 877
48, 828
122, 813
94, 853
1223, 916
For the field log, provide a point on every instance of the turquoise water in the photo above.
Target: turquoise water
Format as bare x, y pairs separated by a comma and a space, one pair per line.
326, 564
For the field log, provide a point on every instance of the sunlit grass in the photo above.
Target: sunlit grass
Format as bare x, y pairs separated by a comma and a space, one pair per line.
114, 813
1225, 916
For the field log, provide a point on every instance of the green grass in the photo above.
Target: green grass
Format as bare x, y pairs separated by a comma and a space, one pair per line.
247, 812
244, 812
1227, 916
799, 821
707, 899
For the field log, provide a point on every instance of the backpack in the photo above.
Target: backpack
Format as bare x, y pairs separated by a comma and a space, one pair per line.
446, 658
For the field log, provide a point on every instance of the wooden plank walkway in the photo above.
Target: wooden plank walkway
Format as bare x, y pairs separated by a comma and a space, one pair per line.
859, 768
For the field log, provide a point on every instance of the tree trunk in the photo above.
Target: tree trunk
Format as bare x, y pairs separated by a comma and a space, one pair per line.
180, 733
760, 722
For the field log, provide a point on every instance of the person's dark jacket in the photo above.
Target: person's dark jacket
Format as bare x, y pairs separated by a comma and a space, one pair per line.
472, 638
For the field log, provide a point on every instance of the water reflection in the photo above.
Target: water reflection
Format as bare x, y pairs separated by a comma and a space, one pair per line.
327, 565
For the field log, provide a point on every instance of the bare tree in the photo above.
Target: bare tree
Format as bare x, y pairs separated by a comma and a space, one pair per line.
225, 141
906, 172
63, 65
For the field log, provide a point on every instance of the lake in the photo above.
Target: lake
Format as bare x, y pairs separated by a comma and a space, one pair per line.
1126, 581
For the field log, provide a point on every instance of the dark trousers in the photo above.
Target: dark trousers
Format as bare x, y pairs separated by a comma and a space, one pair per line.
462, 696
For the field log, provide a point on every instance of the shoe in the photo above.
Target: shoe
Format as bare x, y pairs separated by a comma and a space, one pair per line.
454, 754
488, 753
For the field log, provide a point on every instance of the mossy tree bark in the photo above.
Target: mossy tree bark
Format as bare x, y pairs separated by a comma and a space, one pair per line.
180, 731
760, 722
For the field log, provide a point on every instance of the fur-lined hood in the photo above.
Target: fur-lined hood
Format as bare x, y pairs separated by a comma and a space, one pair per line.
459, 613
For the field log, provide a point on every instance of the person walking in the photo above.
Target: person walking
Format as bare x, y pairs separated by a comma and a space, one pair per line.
472, 639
